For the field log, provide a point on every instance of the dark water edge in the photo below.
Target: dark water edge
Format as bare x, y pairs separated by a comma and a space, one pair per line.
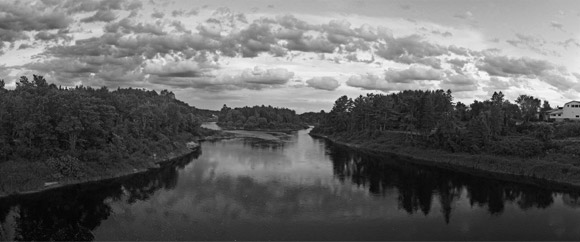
81, 205
305, 189
482, 165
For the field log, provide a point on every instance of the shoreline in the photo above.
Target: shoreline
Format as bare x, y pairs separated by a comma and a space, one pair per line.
167, 159
262, 130
529, 171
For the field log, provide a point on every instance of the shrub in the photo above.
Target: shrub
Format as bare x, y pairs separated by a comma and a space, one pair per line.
65, 166
567, 129
522, 146
543, 131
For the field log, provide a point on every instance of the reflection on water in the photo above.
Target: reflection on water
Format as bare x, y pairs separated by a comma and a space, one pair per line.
298, 189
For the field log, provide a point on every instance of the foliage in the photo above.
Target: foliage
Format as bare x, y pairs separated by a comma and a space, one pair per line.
65, 166
529, 107
259, 117
566, 130
522, 146
40, 120
313, 118
431, 119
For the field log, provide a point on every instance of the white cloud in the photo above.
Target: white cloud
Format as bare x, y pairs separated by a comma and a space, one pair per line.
324, 83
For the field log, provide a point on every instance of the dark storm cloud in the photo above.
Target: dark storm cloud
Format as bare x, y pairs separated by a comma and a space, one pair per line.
324, 83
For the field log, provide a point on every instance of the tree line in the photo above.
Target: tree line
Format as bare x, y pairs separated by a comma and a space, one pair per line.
259, 117
432, 118
39, 120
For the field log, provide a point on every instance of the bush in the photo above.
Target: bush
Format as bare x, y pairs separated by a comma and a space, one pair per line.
543, 131
522, 146
566, 130
65, 166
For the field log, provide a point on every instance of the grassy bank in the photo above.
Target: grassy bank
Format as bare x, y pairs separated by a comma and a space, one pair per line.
538, 170
31, 177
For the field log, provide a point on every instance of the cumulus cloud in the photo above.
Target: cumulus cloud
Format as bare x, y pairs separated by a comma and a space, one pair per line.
557, 25
276, 76
530, 42
74, 6
496, 84
324, 83
47, 36
558, 80
445, 34
157, 15
414, 73
459, 83
369, 82
14, 19
408, 49
497, 65
255, 79
128, 26
569, 42
464, 15
319, 45
457, 64
178, 68
101, 16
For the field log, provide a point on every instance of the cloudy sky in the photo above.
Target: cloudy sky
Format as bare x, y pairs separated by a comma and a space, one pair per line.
297, 54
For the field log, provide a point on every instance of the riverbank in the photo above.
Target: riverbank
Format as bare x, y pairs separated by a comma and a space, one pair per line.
18, 178
532, 171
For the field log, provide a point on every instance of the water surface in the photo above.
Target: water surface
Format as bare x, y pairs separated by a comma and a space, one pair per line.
298, 189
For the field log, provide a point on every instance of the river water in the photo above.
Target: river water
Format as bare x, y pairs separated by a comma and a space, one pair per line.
299, 188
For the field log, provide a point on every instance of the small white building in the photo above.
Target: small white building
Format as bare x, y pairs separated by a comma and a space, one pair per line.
570, 111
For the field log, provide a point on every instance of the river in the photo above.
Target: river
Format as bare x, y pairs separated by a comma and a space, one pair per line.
299, 188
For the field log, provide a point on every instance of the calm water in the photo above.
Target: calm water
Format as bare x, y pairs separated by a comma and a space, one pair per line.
299, 189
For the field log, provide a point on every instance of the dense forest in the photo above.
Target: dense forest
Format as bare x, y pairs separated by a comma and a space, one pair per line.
39, 121
259, 118
432, 119
313, 118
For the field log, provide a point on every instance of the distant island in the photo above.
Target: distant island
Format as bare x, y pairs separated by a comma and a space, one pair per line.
54, 135
263, 118
495, 136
